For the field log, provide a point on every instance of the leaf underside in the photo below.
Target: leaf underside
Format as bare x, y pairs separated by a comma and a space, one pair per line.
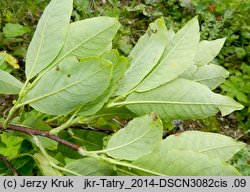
211, 144
89, 37
9, 84
177, 57
146, 54
181, 99
140, 137
119, 68
208, 50
184, 163
210, 75
89, 167
49, 36
70, 85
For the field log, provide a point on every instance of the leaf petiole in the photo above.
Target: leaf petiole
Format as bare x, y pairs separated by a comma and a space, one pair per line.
120, 163
50, 159
72, 120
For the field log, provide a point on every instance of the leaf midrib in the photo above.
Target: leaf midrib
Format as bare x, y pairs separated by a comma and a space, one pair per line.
14, 84
41, 40
157, 67
131, 71
95, 34
62, 89
174, 47
128, 143
148, 46
221, 147
170, 102
209, 78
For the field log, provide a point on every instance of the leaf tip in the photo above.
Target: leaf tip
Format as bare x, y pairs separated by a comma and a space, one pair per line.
227, 110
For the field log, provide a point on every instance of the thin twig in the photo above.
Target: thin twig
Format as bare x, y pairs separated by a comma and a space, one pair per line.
72, 120
7, 164
47, 134
242, 135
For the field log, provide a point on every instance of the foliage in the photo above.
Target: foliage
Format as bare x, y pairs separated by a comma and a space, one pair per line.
229, 18
79, 79
241, 161
14, 30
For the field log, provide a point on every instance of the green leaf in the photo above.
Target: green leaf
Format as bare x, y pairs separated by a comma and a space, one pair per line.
4, 170
245, 68
146, 54
24, 165
180, 99
119, 68
49, 36
210, 75
120, 64
9, 144
2, 57
89, 167
91, 140
140, 137
14, 30
89, 37
69, 85
68, 152
183, 163
240, 52
121, 112
177, 57
211, 144
9, 84
208, 50
44, 166
231, 87
241, 161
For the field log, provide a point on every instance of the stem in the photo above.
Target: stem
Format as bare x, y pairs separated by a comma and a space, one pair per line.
64, 169
81, 151
126, 172
50, 159
22, 93
7, 164
124, 164
121, 97
100, 151
118, 98
72, 120
53, 119
47, 134
242, 135
19, 156
43, 72
9, 117
16, 105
